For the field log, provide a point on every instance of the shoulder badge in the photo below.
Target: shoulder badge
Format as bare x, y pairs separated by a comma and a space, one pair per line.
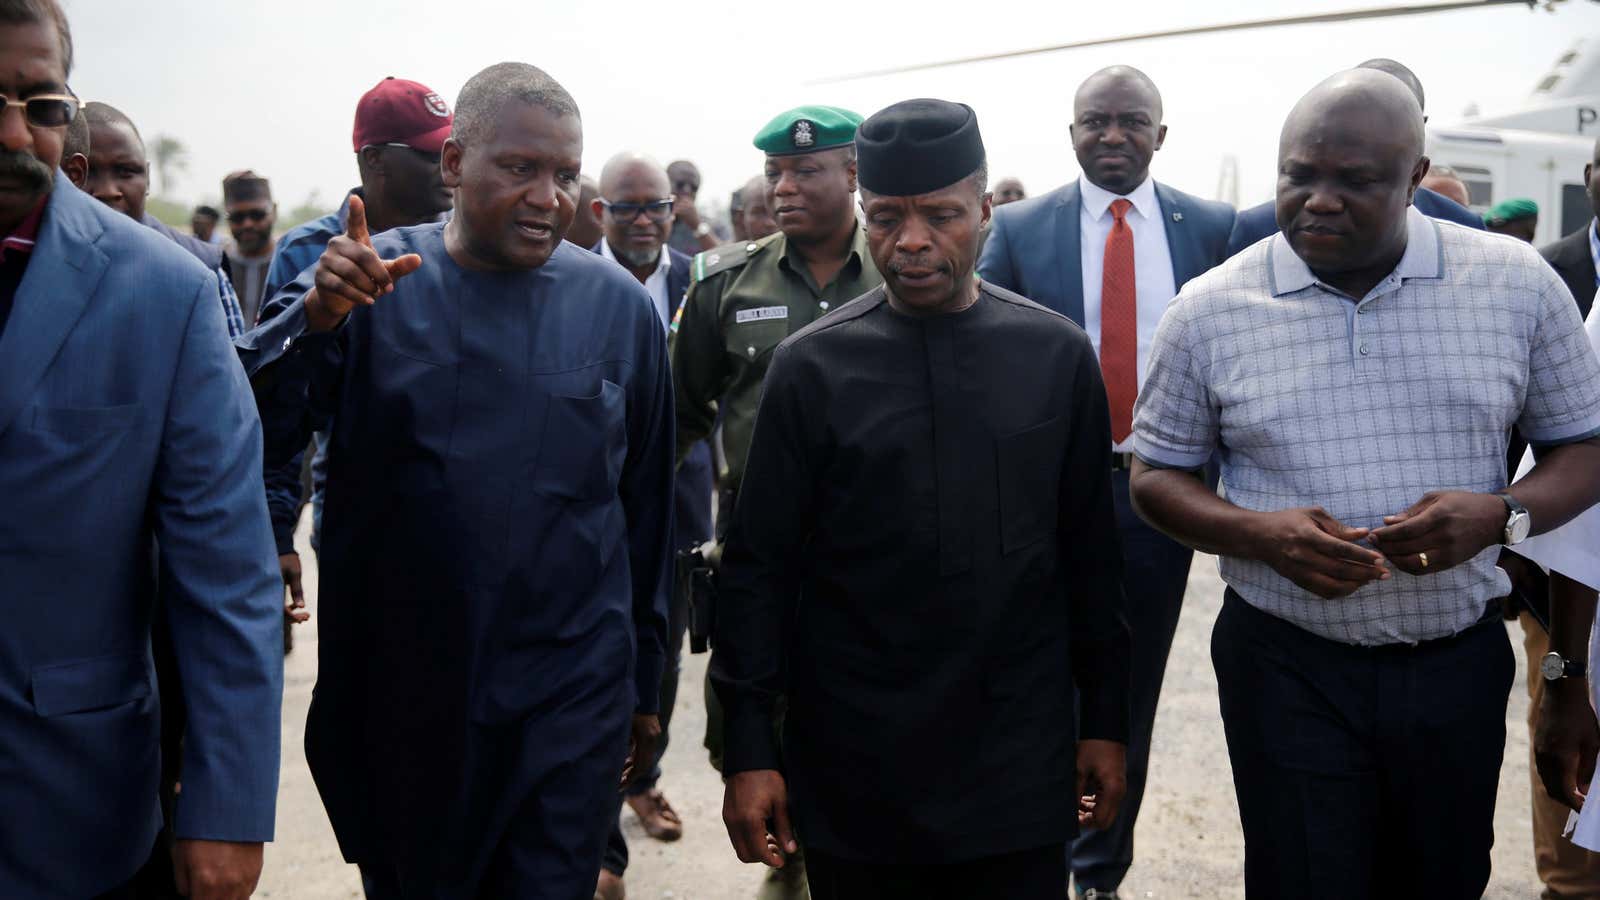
723, 258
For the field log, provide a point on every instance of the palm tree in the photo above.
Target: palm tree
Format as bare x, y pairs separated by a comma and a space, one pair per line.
171, 157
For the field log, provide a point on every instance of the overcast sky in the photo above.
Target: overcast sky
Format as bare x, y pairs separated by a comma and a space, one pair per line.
272, 86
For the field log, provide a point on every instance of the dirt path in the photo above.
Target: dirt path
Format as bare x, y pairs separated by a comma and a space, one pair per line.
1189, 840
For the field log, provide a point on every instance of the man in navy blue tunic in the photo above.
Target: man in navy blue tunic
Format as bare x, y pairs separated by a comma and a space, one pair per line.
496, 534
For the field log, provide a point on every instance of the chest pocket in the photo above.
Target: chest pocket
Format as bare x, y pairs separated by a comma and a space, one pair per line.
1029, 471
584, 445
753, 331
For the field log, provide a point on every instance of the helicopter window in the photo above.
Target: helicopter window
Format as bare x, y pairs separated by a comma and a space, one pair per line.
1480, 186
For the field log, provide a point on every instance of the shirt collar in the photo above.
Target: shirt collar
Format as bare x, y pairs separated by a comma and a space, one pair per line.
663, 264
1424, 257
26, 234
1096, 199
858, 251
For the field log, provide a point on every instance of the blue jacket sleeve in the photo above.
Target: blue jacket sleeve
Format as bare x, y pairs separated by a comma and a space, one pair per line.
994, 266
220, 586
285, 496
646, 492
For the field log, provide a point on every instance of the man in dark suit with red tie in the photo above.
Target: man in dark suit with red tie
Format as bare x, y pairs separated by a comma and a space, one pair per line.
1110, 251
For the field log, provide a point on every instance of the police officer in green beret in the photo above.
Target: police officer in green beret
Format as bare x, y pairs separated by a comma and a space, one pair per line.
1518, 218
745, 298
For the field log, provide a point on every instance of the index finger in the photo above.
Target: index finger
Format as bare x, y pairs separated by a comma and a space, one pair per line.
1334, 548
355, 225
1407, 529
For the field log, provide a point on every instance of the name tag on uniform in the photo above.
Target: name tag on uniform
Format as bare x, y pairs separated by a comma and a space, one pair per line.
760, 314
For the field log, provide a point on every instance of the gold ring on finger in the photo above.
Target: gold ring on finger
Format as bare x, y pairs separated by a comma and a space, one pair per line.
1424, 558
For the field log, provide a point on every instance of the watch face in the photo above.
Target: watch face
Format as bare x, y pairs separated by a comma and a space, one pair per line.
1518, 527
1552, 667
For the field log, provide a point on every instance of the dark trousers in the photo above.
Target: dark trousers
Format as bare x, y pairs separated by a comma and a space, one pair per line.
1362, 772
1025, 875
1155, 573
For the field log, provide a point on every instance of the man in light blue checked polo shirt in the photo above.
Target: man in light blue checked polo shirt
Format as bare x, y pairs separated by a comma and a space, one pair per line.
1358, 374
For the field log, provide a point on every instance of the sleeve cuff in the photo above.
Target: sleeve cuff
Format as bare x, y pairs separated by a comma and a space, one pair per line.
1165, 458
751, 744
647, 684
1103, 708
1543, 441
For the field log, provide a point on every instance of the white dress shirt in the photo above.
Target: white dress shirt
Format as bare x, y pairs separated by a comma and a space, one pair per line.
1152, 265
656, 284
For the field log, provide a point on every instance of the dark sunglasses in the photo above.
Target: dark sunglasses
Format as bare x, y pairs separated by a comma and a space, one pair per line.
656, 210
46, 110
241, 216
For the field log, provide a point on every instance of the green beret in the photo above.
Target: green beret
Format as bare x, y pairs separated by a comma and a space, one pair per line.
807, 129
1510, 211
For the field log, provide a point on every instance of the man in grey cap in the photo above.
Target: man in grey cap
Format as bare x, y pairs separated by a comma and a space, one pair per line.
923, 565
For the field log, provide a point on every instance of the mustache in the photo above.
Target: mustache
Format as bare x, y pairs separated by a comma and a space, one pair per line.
26, 168
899, 265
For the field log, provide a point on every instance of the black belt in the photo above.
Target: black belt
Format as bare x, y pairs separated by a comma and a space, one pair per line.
1121, 462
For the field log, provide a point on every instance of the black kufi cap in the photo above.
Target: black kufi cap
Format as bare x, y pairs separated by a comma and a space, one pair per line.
917, 147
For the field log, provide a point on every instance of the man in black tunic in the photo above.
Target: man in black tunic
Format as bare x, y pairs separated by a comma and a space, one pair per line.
923, 565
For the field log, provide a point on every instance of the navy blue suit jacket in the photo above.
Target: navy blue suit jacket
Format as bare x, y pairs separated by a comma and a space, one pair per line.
1259, 222
1033, 244
695, 479
127, 435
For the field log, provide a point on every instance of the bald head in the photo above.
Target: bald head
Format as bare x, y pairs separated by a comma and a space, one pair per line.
487, 92
1361, 106
1116, 127
1117, 77
1406, 76
1349, 161
635, 170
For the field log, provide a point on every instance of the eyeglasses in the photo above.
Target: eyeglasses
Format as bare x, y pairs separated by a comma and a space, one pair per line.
657, 210
46, 110
241, 216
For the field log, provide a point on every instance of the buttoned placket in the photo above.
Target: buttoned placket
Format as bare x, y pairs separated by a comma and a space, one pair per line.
1361, 320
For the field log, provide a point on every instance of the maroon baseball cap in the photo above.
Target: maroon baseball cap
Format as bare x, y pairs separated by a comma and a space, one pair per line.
397, 111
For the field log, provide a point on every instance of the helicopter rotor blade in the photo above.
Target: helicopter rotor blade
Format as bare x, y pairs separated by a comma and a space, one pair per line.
1317, 18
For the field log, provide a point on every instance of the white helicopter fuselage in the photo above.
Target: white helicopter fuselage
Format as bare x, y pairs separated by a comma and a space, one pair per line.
1536, 151
1504, 163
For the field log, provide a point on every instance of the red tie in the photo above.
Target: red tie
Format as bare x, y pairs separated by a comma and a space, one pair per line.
1119, 324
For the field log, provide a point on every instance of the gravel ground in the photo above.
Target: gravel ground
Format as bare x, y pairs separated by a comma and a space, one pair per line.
1189, 840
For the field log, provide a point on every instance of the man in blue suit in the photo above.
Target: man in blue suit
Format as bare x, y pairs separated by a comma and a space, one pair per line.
129, 447
634, 209
1260, 222
1109, 251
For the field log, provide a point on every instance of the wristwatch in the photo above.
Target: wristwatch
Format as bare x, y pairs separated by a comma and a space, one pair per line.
1518, 522
1554, 667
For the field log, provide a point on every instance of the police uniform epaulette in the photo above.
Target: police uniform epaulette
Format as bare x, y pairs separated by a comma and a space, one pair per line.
727, 256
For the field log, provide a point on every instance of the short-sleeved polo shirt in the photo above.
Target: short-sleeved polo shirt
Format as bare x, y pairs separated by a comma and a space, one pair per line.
1312, 398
